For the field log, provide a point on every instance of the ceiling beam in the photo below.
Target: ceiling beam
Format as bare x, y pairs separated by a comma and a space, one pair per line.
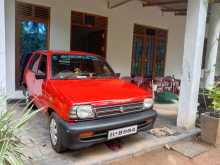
173, 10
216, 1
180, 13
110, 6
170, 2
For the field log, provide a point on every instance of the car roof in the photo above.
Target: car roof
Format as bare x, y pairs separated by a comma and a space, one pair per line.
61, 52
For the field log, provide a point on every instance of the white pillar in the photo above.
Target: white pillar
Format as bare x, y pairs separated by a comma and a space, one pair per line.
212, 45
2, 49
3, 106
192, 60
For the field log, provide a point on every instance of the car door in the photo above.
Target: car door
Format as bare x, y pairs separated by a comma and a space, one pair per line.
40, 82
29, 75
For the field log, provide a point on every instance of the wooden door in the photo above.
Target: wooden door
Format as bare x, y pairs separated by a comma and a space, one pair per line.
97, 42
32, 33
97, 25
149, 52
149, 55
160, 53
138, 50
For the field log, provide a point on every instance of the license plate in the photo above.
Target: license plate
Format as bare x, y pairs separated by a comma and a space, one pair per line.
122, 132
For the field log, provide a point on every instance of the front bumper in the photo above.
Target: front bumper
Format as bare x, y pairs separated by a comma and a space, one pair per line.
71, 133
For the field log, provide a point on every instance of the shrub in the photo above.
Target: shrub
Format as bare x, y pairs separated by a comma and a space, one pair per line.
10, 126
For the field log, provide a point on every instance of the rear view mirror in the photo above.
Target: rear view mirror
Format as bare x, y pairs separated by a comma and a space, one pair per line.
40, 76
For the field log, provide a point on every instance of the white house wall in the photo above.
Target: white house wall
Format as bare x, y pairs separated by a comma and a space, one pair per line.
120, 32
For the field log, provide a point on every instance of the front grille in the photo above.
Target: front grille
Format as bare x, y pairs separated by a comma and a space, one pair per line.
109, 111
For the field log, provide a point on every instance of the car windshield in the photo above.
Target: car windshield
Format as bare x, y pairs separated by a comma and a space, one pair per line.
79, 67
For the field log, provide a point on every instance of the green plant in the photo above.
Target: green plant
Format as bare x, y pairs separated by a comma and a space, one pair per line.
214, 94
211, 98
10, 127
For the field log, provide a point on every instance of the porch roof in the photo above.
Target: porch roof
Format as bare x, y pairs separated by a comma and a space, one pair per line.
178, 7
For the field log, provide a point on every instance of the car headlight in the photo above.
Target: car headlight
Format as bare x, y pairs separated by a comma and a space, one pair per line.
148, 102
82, 112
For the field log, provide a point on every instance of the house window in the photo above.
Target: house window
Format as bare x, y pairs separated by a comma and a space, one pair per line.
32, 33
149, 52
89, 33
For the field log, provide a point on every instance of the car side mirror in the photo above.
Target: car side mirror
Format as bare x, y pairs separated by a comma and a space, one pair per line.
40, 76
118, 74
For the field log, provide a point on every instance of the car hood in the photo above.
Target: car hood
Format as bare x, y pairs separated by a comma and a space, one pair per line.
99, 91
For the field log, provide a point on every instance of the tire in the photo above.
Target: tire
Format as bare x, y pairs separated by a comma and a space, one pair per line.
55, 135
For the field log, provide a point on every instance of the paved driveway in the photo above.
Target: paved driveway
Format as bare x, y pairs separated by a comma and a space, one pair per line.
39, 150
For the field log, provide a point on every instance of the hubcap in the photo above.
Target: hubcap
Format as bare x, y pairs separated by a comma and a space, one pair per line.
53, 132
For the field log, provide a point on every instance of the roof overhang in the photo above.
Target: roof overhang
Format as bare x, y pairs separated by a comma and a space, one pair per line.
178, 7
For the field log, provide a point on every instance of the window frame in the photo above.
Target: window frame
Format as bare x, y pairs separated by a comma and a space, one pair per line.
39, 63
98, 57
32, 62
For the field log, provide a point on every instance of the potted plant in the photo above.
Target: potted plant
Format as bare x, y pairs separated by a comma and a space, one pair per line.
10, 127
210, 121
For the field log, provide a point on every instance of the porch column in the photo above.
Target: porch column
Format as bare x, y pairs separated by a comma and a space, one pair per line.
192, 61
2, 48
212, 45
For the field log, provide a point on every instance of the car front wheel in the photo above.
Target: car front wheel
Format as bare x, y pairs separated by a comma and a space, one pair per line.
55, 135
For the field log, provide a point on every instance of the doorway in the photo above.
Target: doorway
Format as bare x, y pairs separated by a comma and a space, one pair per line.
32, 33
88, 33
149, 52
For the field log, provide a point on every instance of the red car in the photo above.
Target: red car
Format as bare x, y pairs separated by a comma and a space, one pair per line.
86, 101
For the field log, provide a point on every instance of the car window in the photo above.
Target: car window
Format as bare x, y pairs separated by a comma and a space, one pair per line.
33, 63
67, 66
42, 68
